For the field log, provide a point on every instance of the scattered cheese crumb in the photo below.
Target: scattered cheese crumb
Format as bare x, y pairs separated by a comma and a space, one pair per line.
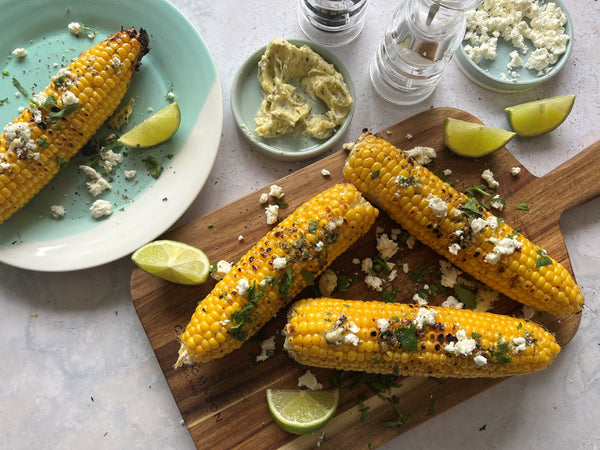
463, 346
386, 246
129, 173
242, 286
422, 155
264, 198
452, 302
374, 283
101, 208
220, 270
425, 316
325, 172
57, 211
276, 191
488, 176
449, 272
327, 283
514, 171
267, 347
309, 380
75, 28
19, 52
528, 312
240, 238
439, 207
97, 183
272, 212
480, 360
279, 263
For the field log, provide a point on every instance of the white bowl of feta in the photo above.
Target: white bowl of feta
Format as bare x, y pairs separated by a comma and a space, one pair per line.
515, 45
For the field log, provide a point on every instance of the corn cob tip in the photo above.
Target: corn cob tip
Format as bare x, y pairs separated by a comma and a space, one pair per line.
140, 36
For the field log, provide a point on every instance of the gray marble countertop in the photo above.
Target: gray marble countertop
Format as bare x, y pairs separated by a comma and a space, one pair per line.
78, 371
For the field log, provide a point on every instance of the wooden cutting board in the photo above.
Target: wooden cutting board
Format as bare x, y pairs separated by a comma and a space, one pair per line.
223, 402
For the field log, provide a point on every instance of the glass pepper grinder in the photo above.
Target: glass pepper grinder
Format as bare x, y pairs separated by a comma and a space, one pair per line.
417, 47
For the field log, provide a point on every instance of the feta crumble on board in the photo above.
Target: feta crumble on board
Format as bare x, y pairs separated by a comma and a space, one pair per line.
325, 172
276, 191
514, 171
101, 208
267, 348
309, 380
264, 198
327, 283
488, 176
272, 212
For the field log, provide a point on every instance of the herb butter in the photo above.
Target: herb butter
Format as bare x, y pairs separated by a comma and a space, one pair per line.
284, 109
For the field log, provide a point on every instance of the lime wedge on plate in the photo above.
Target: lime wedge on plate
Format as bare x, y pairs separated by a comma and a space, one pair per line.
540, 116
302, 411
474, 140
173, 261
156, 129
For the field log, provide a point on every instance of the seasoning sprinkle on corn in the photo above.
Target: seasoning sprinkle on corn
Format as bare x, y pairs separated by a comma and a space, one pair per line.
61, 119
408, 340
459, 229
276, 269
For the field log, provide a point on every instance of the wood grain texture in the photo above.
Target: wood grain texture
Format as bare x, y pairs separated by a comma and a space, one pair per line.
223, 402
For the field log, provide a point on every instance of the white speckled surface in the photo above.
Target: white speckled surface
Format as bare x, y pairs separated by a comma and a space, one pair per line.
77, 369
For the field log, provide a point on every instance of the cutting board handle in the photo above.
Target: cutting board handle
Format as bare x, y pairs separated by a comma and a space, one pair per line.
572, 184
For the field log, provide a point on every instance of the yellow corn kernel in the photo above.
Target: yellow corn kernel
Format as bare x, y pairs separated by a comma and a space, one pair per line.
255, 289
468, 236
35, 144
405, 339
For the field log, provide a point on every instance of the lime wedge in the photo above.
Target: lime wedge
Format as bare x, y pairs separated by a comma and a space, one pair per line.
155, 130
302, 411
473, 139
173, 261
540, 116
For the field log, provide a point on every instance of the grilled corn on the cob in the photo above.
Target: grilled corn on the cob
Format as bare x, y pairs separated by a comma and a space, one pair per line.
405, 339
276, 269
61, 119
466, 234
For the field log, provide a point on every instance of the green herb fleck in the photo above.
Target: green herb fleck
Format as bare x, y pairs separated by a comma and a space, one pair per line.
153, 166
244, 315
401, 420
471, 208
432, 409
375, 174
308, 276
20, 87
42, 142
56, 116
3, 101
501, 352
465, 294
364, 410
312, 226
210, 225
543, 259
344, 282
407, 337
5, 73
522, 207
475, 335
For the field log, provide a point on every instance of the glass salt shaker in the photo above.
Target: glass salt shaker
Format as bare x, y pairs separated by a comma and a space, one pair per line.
332, 22
417, 47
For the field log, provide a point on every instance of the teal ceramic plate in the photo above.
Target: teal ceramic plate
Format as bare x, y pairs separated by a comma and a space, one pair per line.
246, 96
495, 76
143, 207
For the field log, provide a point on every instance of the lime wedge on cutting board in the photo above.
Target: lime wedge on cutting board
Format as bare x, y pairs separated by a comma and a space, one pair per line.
156, 129
173, 261
474, 140
540, 116
302, 411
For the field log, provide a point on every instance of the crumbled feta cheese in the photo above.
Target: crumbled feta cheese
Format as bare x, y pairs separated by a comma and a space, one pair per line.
57, 211
422, 155
425, 316
220, 269
75, 28
374, 283
319, 245
366, 265
393, 274
18, 137
310, 381
515, 60
449, 272
240, 238
267, 348
272, 212
452, 302
410, 242
101, 208
325, 172
405, 268
351, 339
264, 198
110, 159
497, 202
68, 98
115, 62
408, 136
279, 263
352, 327
170, 95
335, 336
463, 345
528, 312
242, 286
447, 172
480, 360
97, 183
502, 247
386, 246
514, 171
383, 325
439, 207
327, 283
488, 176
276, 191
19, 52
129, 173
519, 344
355, 261
478, 224
335, 223
485, 298
454, 248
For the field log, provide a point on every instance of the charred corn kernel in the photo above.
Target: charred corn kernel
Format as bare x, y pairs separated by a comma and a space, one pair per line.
405, 339
61, 119
276, 269
454, 226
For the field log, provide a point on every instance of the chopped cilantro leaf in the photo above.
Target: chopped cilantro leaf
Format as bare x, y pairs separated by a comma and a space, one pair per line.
56, 116
543, 259
20, 87
375, 174
3, 101
312, 226
153, 166
522, 207
407, 337
464, 293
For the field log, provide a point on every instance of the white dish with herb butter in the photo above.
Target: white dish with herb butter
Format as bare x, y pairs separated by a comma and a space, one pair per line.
36, 238
247, 98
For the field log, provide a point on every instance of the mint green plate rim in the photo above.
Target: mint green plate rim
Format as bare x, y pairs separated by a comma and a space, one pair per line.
246, 96
487, 73
178, 58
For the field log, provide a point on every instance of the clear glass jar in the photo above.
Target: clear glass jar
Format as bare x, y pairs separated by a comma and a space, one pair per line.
417, 47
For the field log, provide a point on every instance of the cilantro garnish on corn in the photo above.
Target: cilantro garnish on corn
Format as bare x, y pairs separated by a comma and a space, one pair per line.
458, 228
405, 339
274, 270
61, 119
